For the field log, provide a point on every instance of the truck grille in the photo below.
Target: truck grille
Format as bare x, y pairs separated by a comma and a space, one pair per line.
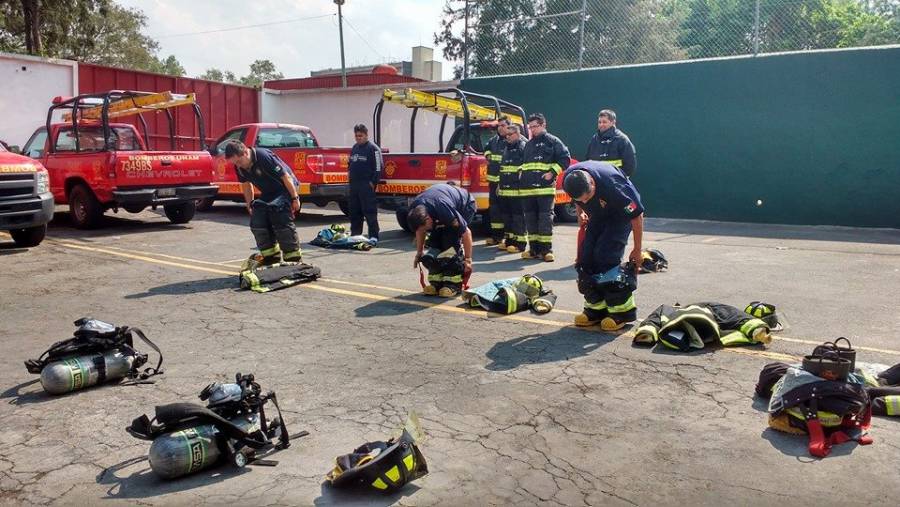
16, 186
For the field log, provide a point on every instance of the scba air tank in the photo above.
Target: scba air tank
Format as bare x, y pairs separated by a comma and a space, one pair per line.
78, 372
193, 449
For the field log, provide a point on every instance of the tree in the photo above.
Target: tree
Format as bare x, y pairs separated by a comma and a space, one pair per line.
219, 75
260, 71
92, 31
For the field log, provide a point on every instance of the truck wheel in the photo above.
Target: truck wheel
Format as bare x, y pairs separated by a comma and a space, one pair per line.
85, 209
345, 207
32, 236
181, 213
567, 213
401, 219
205, 204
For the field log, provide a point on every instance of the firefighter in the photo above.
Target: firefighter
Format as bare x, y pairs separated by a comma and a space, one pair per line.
365, 172
272, 213
611, 144
443, 213
508, 191
545, 157
612, 207
494, 154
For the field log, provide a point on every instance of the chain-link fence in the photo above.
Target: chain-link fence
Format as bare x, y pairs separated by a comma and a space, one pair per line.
519, 36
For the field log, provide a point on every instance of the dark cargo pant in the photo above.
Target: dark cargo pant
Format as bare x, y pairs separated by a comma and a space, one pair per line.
495, 212
363, 205
539, 223
273, 228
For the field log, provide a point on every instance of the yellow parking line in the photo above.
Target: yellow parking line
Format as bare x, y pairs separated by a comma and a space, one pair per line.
168, 256
424, 304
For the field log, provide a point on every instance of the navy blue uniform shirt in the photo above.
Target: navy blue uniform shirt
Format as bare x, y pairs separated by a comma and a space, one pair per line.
615, 198
448, 206
265, 174
365, 163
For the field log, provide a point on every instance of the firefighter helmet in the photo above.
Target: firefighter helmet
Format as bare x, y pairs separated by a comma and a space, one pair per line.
766, 313
385, 466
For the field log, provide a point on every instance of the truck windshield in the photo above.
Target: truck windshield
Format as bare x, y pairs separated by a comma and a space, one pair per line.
480, 136
273, 138
90, 138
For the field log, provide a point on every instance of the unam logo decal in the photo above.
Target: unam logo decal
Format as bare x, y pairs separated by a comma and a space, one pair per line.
345, 161
300, 161
440, 169
220, 168
390, 167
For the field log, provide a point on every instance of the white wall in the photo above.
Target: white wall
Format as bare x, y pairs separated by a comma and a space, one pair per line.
331, 114
29, 84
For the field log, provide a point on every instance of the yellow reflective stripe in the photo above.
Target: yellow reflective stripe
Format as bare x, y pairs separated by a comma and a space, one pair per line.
735, 338
511, 302
537, 166
527, 192
270, 251
393, 474
453, 279
509, 168
496, 225
892, 405
748, 327
494, 158
408, 461
624, 307
379, 484
435, 278
492, 178
829, 419
616, 162
296, 254
540, 239
648, 330
508, 192
599, 305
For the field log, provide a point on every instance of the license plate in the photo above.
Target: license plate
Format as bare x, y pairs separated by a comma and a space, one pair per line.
166, 192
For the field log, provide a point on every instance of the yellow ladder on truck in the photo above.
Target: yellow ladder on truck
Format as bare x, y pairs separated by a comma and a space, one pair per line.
135, 105
444, 105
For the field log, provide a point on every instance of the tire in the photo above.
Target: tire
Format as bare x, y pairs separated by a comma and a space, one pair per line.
180, 213
567, 213
134, 209
345, 207
27, 238
85, 210
401, 219
205, 204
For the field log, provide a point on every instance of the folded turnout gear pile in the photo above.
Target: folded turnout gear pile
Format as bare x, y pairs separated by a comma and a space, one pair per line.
829, 396
99, 352
233, 426
696, 325
385, 466
259, 277
512, 295
336, 236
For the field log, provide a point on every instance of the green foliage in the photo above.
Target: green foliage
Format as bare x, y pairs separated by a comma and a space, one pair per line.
260, 71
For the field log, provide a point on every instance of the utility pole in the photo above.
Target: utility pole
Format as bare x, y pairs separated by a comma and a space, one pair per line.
581, 34
466, 43
341, 34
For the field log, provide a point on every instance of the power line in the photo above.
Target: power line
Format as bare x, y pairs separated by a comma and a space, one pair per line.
244, 27
363, 38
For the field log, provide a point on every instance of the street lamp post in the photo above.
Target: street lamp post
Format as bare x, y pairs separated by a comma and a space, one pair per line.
341, 35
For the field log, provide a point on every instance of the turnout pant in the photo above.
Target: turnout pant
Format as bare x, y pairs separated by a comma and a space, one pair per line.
273, 228
514, 222
538, 211
444, 258
495, 212
363, 205
601, 250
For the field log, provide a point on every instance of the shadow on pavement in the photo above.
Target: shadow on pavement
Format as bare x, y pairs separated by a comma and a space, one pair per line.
185, 288
110, 225
16, 397
399, 305
10, 248
362, 496
560, 345
144, 483
236, 214
797, 446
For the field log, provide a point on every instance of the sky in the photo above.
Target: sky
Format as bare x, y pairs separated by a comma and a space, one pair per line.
298, 36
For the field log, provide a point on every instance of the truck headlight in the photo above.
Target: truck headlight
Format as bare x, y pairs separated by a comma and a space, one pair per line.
43, 182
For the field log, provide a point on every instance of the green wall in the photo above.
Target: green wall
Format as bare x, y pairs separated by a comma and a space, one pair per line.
814, 136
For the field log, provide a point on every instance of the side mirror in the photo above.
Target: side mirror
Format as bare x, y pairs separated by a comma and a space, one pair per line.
214, 151
14, 149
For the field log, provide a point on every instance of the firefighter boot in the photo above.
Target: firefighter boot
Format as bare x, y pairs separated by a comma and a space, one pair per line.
528, 254
448, 292
548, 257
513, 249
583, 320
430, 290
616, 321
490, 242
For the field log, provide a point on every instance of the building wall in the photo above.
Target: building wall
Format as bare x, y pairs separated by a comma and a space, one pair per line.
798, 138
29, 86
333, 112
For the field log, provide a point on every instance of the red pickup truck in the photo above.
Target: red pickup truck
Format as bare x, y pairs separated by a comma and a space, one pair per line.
26, 205
462, 160
322, 172
96, 165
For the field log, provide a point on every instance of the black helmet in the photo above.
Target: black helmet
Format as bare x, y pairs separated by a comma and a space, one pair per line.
385, 466
652, 261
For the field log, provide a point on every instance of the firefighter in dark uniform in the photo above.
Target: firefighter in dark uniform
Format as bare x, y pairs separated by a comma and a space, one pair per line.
443, 213
612, 207
611, 144
510, 166
272, 213
364, 172
545, 158
494, 153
